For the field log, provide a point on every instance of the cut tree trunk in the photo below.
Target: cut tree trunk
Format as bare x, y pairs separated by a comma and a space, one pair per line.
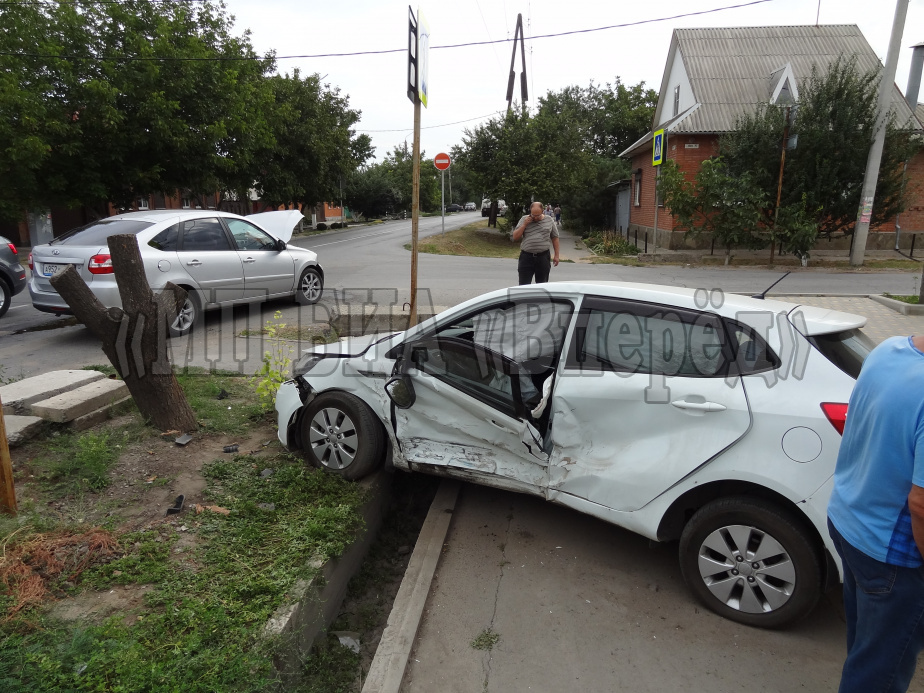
134, 337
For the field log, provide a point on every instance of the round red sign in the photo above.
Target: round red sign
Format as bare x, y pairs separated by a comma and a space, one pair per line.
441, 161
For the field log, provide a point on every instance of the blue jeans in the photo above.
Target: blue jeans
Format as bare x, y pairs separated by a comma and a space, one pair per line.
884, 607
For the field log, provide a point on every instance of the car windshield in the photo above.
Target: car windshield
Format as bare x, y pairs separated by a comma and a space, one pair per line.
97, 232
847, 350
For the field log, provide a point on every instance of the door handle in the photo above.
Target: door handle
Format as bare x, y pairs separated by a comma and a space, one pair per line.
698, 406
193, 263
500, 426
249, 260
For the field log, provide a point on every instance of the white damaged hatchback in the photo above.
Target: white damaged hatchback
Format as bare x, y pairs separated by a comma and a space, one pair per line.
692, 416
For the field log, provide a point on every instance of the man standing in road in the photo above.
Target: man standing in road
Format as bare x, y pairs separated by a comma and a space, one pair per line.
876, 518
536, 231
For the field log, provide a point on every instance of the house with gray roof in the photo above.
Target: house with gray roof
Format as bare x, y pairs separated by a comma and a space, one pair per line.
712, 77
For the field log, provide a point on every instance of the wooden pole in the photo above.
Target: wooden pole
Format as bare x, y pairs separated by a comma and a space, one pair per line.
415, 212
779, 186
7, 491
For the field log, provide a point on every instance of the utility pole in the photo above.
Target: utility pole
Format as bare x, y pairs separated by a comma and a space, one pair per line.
886, 88
779, 186
417, 85
518, 34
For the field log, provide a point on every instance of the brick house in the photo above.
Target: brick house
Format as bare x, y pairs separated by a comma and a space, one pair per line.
713, 76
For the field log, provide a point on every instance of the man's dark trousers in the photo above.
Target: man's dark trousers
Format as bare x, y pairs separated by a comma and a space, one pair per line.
884, 610
539, 264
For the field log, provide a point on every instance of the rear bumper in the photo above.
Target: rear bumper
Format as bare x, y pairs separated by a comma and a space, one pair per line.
50, 301
15, 276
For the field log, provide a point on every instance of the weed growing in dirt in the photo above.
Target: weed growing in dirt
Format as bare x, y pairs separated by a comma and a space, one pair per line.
276, 363
202, 623
333, 669
231, 412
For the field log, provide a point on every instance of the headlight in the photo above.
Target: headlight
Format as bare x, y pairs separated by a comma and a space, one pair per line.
305, 363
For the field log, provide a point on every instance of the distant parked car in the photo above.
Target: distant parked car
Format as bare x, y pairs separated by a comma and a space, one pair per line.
12, 274
486, 207
218, 257
453, 208
469, 206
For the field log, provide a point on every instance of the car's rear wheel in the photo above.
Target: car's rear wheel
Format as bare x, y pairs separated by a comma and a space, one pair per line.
186, 317
341, 435
310, 287
751, 562
6, 297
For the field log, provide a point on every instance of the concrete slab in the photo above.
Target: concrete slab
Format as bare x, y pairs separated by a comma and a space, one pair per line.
18, 396
70, 405
20, 428
97, 416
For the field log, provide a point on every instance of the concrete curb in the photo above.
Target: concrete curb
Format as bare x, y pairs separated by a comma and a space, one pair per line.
314, 604
899, 306
388, 666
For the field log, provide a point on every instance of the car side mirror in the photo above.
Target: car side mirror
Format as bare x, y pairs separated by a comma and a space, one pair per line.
280, 245
400, 390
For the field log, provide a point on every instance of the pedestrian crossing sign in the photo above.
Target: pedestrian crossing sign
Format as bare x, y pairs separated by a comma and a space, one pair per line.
657, 154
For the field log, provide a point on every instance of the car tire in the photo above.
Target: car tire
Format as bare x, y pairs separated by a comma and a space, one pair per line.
310, 287
779, 580
6, 297
189, 313
340, 435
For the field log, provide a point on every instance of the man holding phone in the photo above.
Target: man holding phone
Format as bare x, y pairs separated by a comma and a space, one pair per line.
535, 232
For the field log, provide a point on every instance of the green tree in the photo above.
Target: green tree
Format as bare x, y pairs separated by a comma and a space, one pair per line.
835, 123
370, 192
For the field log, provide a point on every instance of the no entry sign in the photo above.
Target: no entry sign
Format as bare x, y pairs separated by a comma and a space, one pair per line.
441, 161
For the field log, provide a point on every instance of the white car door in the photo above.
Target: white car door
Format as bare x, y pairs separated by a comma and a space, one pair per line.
268, 271
479, 412
207, 256
648, 394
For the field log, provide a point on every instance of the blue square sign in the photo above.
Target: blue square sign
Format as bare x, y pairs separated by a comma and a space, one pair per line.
657, 152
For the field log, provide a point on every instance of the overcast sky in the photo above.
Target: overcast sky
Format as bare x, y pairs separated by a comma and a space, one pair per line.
469, 84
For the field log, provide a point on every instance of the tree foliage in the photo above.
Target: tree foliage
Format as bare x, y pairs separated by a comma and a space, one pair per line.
835, 122
387, 187
567, 152
156, 96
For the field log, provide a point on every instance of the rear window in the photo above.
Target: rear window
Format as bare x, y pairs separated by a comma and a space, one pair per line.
847, 350
97, 232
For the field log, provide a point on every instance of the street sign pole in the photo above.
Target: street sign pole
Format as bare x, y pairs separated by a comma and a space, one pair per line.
418, 63
443, 198
442, 162
415, 213
657, 157
886, 90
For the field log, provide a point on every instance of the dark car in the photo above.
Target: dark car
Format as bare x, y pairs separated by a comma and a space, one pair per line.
12, 274
453, 208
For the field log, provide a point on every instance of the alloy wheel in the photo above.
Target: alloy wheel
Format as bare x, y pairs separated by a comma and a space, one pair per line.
333, 438
311, 286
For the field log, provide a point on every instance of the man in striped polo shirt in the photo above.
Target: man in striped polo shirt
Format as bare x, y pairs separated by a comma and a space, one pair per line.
536, 231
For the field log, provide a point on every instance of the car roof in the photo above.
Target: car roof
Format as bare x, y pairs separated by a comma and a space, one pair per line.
811, 320
156, 215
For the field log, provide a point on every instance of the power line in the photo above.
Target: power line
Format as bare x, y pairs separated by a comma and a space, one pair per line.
442, 125
397, 50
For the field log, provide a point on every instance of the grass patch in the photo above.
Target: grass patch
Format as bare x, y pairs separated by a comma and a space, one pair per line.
904, 298
294, 333
200, 627
472, 240
485, 640
331, 669
73, 463
610, 244
604, 260
233, 413
106, 369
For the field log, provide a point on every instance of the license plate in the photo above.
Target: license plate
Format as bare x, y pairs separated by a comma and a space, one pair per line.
50, 270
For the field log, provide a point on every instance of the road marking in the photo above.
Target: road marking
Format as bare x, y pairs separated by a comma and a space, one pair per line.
353, 238
17, 308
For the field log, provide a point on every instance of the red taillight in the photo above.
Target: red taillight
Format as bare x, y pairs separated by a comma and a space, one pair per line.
100, 264
836, 413
13, 248
31, 265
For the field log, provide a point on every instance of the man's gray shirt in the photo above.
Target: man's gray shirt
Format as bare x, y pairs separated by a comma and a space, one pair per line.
537, 235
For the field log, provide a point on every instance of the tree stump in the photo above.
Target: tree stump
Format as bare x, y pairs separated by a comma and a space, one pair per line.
134, 337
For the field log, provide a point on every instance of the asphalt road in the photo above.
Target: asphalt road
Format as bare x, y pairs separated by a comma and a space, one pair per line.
370, 263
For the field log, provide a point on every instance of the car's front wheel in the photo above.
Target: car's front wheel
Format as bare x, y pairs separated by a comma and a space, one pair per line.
751, 562
341, 435
310, 287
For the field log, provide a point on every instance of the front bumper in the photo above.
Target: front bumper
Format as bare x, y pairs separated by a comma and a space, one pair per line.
288, 403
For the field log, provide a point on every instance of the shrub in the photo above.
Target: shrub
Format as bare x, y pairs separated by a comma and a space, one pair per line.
610, 243
321, 226
336, 225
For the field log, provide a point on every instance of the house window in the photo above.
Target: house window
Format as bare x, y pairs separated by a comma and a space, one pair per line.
185, 202
637, 195
143, 203
676, 99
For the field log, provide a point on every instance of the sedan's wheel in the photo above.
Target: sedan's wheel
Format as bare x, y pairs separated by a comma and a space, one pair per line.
310, 287
6, 297
186, 317
340, 435
751, 562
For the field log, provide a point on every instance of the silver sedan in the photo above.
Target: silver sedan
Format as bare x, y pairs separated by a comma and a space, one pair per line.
218, 257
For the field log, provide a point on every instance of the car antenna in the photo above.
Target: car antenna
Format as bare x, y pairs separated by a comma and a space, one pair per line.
763, 294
